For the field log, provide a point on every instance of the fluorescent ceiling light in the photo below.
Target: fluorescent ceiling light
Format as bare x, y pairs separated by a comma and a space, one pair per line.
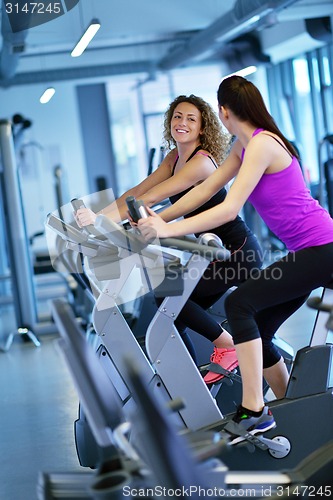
246, 71
47, 95
86, 38
243, 72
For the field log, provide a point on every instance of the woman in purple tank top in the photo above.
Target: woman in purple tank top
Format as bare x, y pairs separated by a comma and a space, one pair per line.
267, 173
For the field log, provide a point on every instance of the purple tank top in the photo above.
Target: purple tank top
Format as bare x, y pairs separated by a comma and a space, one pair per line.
285, 204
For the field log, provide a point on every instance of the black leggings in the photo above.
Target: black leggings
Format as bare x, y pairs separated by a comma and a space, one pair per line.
258, 307
216, 280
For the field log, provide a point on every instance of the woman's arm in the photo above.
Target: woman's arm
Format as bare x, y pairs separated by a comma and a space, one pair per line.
193, 172
118, 209
157, 187
253, 167
202, 193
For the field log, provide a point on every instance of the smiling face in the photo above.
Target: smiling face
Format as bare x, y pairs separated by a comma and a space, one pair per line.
186, 123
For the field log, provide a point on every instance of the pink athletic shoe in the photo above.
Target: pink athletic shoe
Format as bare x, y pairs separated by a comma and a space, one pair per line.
226, 358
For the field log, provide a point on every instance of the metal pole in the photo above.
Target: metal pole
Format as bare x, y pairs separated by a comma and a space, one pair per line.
18, 245
321, 193
322, 196
3, 254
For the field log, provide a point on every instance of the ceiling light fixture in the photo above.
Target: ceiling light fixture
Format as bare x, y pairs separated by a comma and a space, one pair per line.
47, 95
86, 38
243, 72
246, 71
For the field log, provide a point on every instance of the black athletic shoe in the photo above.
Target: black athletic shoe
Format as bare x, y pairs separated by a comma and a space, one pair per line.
242, 423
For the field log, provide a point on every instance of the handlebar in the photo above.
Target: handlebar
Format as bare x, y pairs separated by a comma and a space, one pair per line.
90, 229
316, 303
211, 240
136, 208
69, 233
128, 240
64, 230
208, 246
187, 244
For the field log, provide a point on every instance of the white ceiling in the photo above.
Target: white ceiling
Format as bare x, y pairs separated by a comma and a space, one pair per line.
144, 32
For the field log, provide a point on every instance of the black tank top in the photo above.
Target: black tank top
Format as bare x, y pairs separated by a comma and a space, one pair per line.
232, 233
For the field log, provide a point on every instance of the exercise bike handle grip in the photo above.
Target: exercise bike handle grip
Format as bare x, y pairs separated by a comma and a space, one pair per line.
316, 303
90, 228
136, 208
211, 240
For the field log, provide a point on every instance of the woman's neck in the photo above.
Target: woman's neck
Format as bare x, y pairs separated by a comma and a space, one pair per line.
186, 149
244, 132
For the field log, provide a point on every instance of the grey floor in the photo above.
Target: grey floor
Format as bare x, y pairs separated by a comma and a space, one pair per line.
39, 405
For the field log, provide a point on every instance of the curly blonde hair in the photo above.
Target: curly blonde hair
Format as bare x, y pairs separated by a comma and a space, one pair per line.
213, 139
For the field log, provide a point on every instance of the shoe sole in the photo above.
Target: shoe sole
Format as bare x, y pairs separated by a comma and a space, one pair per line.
253, 433
219, 376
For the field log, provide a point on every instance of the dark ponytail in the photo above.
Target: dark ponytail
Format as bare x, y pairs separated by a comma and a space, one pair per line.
244, 99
